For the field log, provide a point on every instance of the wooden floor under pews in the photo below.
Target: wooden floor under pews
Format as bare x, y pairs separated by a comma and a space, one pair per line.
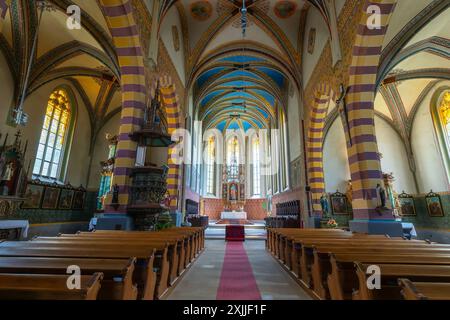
339, 265
114, 265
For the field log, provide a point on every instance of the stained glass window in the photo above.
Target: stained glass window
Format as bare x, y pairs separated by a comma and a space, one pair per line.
256, 166
210, 163
444, 113
233, 158
49, 155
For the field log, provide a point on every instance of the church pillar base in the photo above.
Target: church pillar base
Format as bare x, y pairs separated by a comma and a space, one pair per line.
114, 221
391, 228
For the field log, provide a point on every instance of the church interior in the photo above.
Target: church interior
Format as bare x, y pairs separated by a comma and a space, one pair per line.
225, 149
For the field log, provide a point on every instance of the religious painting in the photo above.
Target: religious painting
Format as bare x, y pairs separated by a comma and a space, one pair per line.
176, 38
33, 196
339, 203
65, 199
233, 192
78, 200
285, 9
50, 200
201, 10
434, 205
406, 202
311, 40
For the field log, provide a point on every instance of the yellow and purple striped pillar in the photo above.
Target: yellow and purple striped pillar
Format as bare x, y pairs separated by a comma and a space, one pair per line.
119, 16
4, 5
363, 153
315, 146
171, 104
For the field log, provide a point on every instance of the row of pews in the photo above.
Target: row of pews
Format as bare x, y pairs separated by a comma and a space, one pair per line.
339, 265
114, 265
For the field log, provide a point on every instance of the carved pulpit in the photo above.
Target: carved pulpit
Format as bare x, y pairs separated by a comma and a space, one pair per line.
149, 186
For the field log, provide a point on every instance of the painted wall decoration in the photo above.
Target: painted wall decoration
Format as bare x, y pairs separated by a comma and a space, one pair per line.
311, 40
434, 205
176, 38
201, 10
285, 9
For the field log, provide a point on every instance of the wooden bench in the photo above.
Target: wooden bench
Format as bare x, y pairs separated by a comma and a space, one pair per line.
389, 275
144, 275
175, 249
47, 287
117, 281
343, 281
424, 290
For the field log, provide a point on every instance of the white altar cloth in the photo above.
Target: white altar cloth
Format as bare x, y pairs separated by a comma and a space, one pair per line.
234, 215
16, 224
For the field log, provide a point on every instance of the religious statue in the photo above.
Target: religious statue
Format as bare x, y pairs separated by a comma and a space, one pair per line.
382, 195
324, 204
9, 171
115, 197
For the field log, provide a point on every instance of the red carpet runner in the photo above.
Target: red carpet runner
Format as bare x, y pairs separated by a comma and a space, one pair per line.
237, 281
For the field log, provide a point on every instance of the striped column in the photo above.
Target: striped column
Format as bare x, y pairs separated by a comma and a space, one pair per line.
315, 146
171, 104
4, 5
363, 154
119, 16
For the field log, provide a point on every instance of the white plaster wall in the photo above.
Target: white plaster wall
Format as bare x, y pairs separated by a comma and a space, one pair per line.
294, 127
431, 173
335, 159
313, 20
35, 106
172, 19
395, 158
405, 10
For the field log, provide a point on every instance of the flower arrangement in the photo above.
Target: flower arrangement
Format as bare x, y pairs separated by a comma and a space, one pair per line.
332, 224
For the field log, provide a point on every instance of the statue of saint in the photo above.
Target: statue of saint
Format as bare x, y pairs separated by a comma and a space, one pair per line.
324, 204
382, 194
349, 192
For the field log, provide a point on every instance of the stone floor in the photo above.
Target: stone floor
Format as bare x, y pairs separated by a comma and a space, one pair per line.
202, 280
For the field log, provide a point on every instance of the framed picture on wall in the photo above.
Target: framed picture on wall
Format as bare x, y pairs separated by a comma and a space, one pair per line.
51, 196
434, 205
78, 200
65, 199
33, 196
407, 206
339, 203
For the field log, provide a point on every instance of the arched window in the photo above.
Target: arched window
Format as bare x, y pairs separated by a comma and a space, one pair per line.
233, 158
210, 165
50, 153
444, 115
256, 166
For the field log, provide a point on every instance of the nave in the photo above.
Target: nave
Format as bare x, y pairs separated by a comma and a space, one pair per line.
255, 275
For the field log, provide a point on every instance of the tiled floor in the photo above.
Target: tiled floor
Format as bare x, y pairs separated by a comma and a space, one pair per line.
201, 281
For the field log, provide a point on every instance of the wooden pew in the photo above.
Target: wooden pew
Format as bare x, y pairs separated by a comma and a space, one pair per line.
144, 275
342, 280
47, 287
424, 290
389, 275
316, 260
175, 248
117, 282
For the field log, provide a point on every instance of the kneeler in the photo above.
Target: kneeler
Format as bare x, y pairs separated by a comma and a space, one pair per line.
234, 233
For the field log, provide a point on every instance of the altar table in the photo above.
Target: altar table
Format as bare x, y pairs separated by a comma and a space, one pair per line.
234, 215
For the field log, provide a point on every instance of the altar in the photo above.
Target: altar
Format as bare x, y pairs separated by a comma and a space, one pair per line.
233, 215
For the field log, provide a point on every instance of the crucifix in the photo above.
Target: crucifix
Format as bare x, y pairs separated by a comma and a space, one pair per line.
343, 111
